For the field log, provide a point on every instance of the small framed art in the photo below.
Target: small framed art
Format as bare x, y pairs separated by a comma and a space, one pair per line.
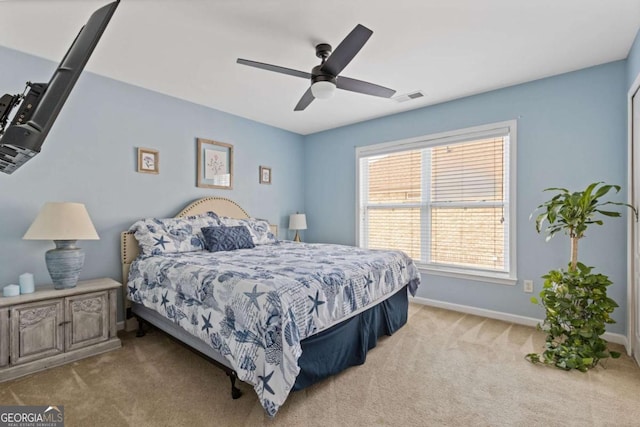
148, 160
265, 175
215, 164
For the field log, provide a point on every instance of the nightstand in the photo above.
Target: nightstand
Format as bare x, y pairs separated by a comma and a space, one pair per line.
51, 327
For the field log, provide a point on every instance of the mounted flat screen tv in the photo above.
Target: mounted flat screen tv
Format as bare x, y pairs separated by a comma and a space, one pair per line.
25, 120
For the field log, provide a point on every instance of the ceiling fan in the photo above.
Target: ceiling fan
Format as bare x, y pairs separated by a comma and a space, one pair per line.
325, 77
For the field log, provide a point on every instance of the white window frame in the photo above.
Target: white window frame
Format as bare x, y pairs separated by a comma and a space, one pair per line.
476, 132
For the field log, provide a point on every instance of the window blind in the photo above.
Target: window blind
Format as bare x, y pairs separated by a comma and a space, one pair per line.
444, 202
467, 204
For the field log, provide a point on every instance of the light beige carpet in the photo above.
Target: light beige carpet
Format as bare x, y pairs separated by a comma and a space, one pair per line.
442, 369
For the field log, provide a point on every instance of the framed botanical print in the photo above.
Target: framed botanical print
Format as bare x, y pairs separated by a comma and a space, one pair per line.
265, 175
215, 164
148, 160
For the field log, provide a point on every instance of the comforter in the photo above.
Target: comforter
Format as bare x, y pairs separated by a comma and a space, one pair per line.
254, 306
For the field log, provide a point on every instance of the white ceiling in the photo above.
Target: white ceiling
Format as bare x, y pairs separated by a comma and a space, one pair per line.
446, 48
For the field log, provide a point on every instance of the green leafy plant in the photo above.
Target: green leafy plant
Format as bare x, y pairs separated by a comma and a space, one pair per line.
576, 304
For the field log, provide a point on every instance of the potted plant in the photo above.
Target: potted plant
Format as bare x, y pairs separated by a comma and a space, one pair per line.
576, 304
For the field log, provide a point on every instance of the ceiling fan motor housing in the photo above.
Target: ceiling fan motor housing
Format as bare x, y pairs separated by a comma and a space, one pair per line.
319, 76
323, 50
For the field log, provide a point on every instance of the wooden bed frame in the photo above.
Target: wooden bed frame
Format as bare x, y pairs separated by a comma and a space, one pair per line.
136, 315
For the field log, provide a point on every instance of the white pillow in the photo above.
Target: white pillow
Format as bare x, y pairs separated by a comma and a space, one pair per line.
258, 228
158, 236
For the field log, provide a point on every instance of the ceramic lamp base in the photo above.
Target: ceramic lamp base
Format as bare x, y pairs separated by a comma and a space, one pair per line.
65, 263
297, 237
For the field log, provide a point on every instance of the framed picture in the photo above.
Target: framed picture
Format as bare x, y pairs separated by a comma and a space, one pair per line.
148, 160
265, 175
215, 164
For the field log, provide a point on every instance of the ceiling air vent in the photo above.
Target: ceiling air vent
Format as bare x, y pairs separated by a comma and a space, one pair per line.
409, 96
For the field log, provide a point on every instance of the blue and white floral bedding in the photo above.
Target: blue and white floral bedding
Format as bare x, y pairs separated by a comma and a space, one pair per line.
255, 305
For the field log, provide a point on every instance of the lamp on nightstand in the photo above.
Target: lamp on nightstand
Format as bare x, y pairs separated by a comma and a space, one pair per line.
64, 223
297, 222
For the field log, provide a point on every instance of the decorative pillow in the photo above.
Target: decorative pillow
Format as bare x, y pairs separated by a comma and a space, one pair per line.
259, 228
207, 216
227, 238
207, 219
158, 236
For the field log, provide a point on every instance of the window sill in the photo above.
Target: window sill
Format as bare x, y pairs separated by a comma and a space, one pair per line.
500, 279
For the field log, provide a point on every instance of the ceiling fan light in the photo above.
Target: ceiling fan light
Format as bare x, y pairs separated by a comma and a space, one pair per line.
323, 89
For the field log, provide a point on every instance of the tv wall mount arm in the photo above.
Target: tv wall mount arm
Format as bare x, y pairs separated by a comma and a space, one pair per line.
8, 103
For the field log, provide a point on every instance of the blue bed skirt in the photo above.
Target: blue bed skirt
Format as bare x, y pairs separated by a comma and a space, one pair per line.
347, 343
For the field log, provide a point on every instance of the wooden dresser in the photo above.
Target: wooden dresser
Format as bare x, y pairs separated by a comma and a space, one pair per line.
51, 327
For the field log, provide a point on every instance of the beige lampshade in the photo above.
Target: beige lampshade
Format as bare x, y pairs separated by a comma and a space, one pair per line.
62, 221
297, 222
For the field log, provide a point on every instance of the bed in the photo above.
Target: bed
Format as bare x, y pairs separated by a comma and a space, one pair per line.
279, 315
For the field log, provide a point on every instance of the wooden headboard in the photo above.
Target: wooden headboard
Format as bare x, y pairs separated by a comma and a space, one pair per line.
219, 205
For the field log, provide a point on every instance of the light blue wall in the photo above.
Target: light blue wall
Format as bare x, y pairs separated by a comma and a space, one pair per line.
571, 131
90, 157
633, 61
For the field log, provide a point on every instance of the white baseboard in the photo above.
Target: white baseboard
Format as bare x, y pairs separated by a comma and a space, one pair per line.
506, 317
120, 325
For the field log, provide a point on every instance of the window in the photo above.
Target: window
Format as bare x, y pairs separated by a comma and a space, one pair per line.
446, 200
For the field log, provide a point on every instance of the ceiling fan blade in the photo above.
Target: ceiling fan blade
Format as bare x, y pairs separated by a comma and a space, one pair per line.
354, 85
346, 50
274, 68
304, 102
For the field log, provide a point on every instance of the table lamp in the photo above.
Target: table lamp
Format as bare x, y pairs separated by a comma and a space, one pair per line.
297, 222
64, 223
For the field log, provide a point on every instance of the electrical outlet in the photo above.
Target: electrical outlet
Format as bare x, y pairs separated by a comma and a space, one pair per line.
528, 286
